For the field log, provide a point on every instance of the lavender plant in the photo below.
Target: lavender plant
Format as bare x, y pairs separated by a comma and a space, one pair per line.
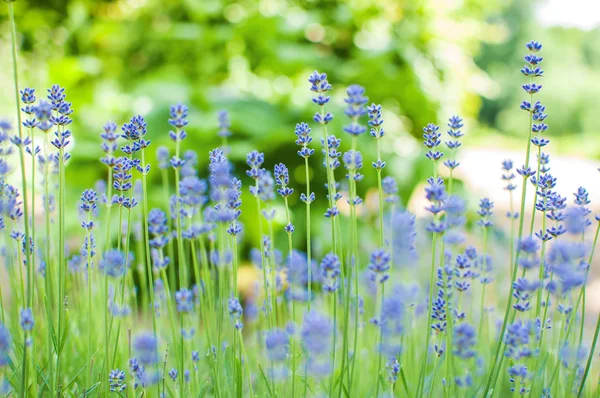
148, 301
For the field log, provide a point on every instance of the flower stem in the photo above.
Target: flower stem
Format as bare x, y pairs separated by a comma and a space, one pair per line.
597, 330
308, 249
498, 358
147, 240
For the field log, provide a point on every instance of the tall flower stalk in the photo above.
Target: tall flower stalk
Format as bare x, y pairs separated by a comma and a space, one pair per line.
531, 70
304, 138
436, 195
21, 141
353, 163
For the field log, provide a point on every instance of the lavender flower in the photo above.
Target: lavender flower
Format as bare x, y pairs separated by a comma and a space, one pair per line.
114, 263
319, 85
380, 265
330, 270
116, 381
224, 124
185, 300
355, 110
145, 347
432, 141
5, 344
236, 312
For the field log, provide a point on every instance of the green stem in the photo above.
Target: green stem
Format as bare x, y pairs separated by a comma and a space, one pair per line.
180, 253
597, 330
147, 240
291, 253
484, 269
13, 35
170, 249
89, 288
380, 348
498, 358
308, 249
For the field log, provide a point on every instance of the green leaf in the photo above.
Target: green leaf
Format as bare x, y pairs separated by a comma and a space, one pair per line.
203, 389
345, 390
265, 378
44, 379
76, 376
90, 390
404, 384
65, 334
239, 373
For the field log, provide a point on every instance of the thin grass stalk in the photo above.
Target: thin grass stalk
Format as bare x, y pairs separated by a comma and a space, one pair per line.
181, 263
29, 299
596, 331
535, 195
147, 240
170, 248
61, 258
89, 291
308, 247
429, 304
493, 375
291, 253
380, 345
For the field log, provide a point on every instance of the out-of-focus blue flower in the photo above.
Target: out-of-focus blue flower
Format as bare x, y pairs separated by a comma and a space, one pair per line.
518, 376
567, 261
390, 189
485, 212
224, 124
158, 228
330, 270
393, 368
27, 321
162, 157
529, 247
356, 101
114, 263
380, 265
518, 339
185, 300
455, 208
464, 340
523, 290
576, 220
316, 333
236, 312
5, 343
145, 347
435, 192
277, 344
508, 175
404, 237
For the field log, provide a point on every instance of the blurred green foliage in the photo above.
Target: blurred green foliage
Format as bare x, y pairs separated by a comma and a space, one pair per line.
422, 60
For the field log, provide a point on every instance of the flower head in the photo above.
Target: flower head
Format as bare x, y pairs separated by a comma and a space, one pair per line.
145, 347
114, 263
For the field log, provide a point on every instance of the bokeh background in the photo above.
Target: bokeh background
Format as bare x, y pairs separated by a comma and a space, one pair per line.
422, 60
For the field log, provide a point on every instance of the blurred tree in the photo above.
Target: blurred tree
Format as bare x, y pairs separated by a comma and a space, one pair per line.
117, 58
